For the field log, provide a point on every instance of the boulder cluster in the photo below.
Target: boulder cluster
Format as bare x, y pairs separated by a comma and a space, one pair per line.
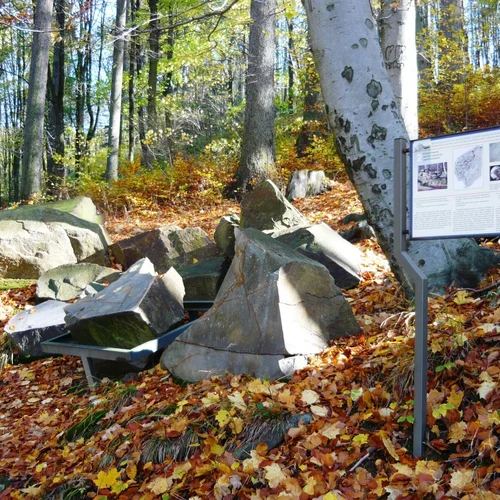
274, 279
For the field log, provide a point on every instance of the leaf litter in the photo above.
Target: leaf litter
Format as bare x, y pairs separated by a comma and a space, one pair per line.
153, 438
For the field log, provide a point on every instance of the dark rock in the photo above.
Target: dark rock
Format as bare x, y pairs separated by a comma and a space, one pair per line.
324, 245
29, 328
165, 247
138, 307
224, 234
273, 303
266, 209
203, 279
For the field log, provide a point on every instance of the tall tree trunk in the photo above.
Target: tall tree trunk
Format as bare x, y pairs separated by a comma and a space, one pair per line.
35, 108
148, 155
116, 92
257, 150
365, 120
291, 90
133, 55
399, 47
56, 170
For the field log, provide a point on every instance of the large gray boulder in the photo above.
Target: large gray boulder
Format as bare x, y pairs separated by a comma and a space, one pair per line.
28, 329
165, 247
324, 245
36, 238
136, 308
265, 208
274, 303
68, 281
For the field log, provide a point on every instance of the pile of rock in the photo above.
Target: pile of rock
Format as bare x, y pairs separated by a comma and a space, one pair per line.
275, 281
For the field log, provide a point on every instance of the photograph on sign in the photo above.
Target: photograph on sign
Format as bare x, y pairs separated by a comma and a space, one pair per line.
455, 185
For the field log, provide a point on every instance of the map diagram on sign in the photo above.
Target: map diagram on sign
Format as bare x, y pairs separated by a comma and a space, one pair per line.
468, 168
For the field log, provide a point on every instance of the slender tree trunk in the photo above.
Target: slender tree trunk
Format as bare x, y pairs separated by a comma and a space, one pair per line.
313, 118
399, 47
257, 150
116, 92
133, 55
291, 90
35, 110
365, 120
56, 170
148, 155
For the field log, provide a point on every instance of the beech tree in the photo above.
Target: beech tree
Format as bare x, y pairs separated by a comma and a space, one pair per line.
32, 165
116, 91
257, 150
365, 120
55, 127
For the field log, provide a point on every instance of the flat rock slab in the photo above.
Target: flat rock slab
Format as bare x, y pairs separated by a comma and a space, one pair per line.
68, 281
165, 247
265, 208
324, 245
274, 303
36, 238
29, 328
138, 307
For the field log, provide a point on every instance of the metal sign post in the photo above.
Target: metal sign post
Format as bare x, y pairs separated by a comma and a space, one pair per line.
421, 294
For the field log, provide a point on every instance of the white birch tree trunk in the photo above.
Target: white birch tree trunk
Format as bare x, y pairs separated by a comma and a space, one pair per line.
116, 91
365, 120
399, 48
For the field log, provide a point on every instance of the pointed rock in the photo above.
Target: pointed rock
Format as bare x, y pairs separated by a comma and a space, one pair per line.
273, 303
265, 208
324, 245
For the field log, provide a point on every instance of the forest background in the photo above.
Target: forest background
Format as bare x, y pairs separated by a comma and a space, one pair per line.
183, 94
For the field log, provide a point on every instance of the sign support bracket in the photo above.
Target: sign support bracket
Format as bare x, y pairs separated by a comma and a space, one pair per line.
420, 281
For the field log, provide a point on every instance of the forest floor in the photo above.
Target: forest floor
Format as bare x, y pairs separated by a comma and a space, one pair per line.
153, 437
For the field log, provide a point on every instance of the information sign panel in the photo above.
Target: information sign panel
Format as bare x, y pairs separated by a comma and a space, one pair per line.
455, 185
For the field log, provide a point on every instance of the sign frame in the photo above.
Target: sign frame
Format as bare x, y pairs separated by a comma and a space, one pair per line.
455, 185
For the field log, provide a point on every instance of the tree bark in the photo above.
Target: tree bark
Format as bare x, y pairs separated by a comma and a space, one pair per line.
116, 92
257, 150
399, 47
365, 120
35, 108
56, 170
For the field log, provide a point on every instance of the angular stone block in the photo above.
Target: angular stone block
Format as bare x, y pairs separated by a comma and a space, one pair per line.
265, 208
273, 303
138, 307
203, 279
224, 234
29, 328
165, 247
68, 281
324, 245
